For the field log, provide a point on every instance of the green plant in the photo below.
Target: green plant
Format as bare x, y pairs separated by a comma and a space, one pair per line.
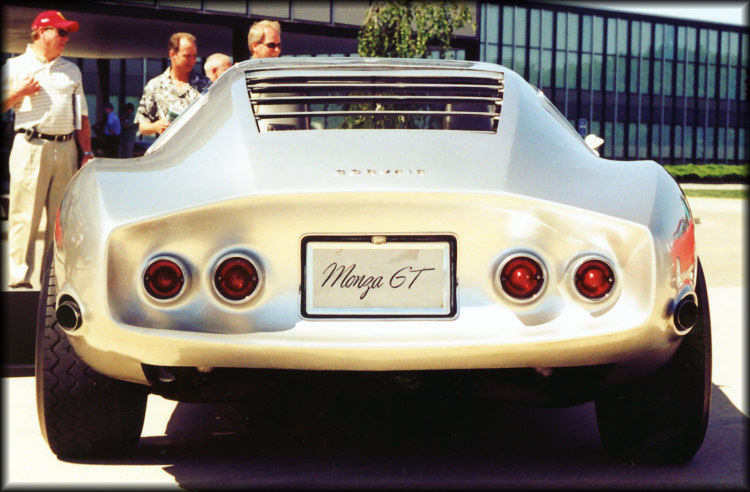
708, 171
406, 29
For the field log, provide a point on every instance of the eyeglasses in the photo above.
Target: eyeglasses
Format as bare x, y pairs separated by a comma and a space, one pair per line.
273, 46
60, 32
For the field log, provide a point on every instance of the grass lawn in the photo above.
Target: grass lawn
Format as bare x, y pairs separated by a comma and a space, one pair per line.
716, 193
710, 174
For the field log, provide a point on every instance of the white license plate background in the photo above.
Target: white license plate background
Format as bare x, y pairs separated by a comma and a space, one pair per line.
366, 279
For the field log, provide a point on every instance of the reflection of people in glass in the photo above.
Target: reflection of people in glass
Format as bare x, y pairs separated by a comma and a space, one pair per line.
216, 64
173, 90
46, 94
264, 39
127, 135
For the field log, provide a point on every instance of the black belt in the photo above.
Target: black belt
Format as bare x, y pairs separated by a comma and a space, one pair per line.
54, 138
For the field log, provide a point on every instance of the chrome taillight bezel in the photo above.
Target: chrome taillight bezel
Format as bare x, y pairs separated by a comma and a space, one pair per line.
574, 273
182, 284
499, 284
214, 280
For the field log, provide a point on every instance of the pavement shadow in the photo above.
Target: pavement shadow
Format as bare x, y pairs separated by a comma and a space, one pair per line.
415, 442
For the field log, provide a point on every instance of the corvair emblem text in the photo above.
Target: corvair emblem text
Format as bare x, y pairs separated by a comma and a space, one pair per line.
372, 172
346, 278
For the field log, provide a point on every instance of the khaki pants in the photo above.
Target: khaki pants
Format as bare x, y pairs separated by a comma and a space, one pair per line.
39, 173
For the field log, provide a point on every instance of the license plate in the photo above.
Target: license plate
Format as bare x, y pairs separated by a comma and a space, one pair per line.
379, 276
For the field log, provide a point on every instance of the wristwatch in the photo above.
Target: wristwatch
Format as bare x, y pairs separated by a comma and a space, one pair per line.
89, 153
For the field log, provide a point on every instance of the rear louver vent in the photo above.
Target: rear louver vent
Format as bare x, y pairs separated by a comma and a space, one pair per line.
376, 102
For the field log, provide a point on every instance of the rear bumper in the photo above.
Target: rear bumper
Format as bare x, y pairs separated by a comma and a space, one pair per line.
471, 341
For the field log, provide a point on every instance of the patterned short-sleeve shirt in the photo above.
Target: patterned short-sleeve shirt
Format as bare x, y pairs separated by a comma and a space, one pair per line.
51, 110
161, 94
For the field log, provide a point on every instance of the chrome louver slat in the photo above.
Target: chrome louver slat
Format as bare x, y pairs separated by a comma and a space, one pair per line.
347, 101
271, 99
266, 86
303, 114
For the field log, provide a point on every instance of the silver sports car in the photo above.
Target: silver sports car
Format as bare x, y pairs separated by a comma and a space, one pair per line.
374, 219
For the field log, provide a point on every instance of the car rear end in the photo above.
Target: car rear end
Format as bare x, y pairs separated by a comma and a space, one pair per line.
366, 233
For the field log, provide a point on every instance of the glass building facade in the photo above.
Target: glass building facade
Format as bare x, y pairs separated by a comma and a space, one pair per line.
670, 90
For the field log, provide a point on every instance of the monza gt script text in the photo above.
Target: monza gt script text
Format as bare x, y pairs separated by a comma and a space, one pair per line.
347, 278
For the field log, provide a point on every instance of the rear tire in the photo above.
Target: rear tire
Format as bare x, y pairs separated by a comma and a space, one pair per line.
662, 419
82, 414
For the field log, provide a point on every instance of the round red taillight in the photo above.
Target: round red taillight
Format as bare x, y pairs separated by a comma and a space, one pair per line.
594, 279
236, 278
163, 279
522, 277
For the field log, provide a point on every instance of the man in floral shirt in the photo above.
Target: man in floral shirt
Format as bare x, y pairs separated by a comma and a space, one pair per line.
167, 95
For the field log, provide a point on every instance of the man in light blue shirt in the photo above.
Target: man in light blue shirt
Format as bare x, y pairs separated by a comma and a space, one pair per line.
111, 131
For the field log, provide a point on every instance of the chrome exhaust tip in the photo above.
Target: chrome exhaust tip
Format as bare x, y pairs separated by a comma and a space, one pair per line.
686, 314
68, 315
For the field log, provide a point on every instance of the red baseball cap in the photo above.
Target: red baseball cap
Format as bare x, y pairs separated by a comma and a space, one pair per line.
53, 18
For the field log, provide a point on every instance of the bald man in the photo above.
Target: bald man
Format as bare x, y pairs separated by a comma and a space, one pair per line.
216, 64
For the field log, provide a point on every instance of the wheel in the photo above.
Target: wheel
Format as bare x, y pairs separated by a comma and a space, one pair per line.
662, 419
82, 413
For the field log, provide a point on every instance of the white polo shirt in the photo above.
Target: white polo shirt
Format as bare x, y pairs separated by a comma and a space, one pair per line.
50, 110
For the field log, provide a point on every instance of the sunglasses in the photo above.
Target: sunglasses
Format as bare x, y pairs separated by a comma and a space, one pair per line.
273, 46
60, 32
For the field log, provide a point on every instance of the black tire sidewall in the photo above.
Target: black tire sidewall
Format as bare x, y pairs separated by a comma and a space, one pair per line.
662, 419
82, 413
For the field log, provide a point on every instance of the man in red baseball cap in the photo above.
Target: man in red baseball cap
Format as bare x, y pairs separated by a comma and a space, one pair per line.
45, 92
53, 18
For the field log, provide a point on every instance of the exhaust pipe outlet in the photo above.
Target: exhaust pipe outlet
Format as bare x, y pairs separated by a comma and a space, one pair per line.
68, 315
686, 314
